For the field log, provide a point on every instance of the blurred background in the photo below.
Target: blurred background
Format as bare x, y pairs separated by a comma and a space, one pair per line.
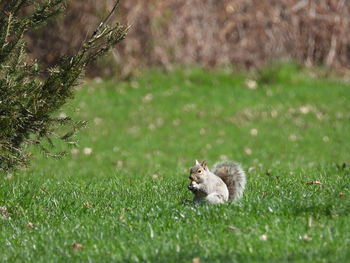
209, 33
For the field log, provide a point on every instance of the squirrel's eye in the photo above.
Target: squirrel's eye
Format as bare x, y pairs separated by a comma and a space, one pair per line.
199, 171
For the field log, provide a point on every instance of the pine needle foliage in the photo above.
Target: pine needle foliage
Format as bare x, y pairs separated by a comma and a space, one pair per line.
30, 97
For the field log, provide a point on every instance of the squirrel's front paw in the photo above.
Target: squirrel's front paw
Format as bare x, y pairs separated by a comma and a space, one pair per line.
193, 186
190, 187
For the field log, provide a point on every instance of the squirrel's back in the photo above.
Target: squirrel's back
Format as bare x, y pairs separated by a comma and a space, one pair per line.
233, 176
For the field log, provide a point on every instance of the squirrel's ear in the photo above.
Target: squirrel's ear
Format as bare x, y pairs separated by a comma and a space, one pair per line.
204, 165
196, 163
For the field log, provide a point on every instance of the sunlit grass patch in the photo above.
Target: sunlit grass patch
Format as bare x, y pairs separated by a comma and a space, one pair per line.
121, 194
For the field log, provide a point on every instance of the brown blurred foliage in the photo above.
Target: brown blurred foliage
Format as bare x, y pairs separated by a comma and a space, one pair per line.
246, 33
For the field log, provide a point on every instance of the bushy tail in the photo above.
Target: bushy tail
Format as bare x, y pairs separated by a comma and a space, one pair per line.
233, 176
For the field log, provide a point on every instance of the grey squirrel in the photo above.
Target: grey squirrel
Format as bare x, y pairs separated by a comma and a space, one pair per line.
226, 182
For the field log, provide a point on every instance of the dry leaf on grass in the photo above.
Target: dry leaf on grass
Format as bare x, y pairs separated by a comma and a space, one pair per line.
248, 151
233, 228
88, 204
74, 152
77, 246
3, 210
251, 84
341, 194
4, 214
307, 238
314, 182
87, 151
263, 237
196, 260
147, 98
43, 190
30, 225
253, 132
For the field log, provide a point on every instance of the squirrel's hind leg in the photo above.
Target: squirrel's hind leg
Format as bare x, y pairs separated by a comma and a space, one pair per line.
215, 198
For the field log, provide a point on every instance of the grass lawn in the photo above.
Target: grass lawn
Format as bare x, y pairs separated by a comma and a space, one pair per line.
121, 195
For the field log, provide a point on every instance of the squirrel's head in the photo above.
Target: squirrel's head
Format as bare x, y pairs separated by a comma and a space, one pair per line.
197, 171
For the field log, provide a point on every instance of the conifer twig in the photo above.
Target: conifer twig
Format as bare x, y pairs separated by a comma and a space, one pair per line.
106, 19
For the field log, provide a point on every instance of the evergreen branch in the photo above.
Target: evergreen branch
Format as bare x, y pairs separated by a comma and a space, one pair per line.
8, 28
19, 6
28, 101
44, 12
107, 18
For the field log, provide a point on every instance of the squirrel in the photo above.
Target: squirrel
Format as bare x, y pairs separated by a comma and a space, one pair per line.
225, 183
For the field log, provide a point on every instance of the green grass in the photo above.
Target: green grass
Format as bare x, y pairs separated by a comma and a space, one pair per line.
128, 202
